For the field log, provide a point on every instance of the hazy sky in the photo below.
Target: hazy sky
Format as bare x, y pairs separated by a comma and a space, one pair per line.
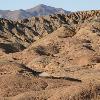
70, 5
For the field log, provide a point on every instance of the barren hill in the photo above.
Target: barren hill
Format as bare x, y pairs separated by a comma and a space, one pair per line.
55, 57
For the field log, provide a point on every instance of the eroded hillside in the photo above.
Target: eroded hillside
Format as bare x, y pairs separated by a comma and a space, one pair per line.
59, 58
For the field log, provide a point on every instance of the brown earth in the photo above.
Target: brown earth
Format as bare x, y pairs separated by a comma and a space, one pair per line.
62, 62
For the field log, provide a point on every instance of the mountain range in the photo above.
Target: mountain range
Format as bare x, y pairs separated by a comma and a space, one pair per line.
39, 10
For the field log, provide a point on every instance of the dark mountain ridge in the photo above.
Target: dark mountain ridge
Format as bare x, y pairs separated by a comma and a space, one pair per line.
39, 10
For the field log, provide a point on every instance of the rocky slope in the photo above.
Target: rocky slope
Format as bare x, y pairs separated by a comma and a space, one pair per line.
39, 10
62, 62
24, 32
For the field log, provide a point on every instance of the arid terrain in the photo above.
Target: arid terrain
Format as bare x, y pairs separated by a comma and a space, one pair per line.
53, 57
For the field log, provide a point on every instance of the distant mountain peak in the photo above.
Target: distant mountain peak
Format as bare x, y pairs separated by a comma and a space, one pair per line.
42, 5
39, 10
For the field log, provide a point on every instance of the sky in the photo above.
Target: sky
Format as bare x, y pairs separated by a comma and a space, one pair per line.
69, 5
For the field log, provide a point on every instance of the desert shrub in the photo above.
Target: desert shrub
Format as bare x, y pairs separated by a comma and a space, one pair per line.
40, 50
88, 46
